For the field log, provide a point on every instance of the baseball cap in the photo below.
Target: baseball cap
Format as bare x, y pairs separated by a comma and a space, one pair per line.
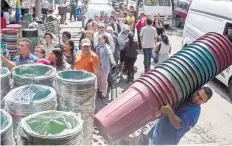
85, 42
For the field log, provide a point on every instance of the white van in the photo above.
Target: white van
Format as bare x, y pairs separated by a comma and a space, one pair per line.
96, 8
209, 16
163, 7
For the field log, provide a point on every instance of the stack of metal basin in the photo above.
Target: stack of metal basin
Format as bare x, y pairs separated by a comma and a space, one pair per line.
172, 82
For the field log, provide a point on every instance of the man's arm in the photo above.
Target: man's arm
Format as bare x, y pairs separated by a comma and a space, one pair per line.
9, 64
185, 119
156, 37
96, 64
174, 119
141, 36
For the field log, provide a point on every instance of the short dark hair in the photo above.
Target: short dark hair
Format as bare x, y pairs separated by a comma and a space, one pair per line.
47, 33
149, 21
71, 43
208, 92
59, 55
68, 34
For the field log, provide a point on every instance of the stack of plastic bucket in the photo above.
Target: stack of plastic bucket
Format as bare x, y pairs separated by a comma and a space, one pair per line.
169, 83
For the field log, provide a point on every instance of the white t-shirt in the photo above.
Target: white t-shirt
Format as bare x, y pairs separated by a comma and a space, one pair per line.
148, 33
164, 48
6, 15
45, 4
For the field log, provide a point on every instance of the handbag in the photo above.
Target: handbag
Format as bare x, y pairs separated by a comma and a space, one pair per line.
156, 57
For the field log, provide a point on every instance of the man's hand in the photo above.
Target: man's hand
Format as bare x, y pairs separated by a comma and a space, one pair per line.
156, 49
166, 109
174, 119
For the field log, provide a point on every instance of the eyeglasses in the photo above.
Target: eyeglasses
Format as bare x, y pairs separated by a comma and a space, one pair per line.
101, 27
38, 52
20, 45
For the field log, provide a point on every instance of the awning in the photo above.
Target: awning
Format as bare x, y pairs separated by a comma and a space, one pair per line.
4, 5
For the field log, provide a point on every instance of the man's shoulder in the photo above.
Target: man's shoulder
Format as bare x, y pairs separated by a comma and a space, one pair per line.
16, 58
33, 57
191, 108
94, 55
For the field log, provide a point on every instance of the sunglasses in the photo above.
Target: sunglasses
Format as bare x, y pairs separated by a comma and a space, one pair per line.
101, 27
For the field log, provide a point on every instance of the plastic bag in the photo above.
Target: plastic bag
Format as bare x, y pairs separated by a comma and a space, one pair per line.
52, 127
5, 81
29, 99
6, 130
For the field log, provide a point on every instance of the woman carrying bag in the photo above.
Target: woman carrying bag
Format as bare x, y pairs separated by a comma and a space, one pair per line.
162, 50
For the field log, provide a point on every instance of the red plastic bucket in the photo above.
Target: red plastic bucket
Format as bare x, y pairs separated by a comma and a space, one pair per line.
161, 86
157, 93
224, 39
129, 112
221, 47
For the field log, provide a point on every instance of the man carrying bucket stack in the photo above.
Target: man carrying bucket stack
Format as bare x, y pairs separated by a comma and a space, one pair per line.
172, 127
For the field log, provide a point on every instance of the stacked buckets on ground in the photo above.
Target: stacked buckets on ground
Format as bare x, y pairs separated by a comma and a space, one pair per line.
171, 83
10, 37
76, 91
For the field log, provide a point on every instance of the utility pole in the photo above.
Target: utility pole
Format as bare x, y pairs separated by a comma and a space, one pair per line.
137, 8
38, 8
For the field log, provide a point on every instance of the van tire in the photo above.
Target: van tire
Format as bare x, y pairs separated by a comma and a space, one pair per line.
177, 21
166, 26
230, 90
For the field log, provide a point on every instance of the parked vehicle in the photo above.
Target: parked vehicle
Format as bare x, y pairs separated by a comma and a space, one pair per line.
209, 16
153, 7
98, 2
181, 11
95, 9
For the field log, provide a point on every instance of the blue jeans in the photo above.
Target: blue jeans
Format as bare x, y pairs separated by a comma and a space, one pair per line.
147, 52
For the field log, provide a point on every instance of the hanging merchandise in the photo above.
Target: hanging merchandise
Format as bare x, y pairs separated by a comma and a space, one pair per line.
5, 81
33, 74
51, 128
29, 99
76, 91
6, 129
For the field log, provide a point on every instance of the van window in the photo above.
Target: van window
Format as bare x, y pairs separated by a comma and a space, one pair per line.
226, 31
150, 2
164, 3
182, 5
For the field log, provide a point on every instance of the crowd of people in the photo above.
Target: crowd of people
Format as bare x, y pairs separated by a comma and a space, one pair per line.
105, 44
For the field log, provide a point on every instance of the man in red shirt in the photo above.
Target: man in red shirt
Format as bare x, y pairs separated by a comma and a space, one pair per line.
139, 25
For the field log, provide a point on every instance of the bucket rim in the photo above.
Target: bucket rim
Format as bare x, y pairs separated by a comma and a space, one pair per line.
90, 78
53, 72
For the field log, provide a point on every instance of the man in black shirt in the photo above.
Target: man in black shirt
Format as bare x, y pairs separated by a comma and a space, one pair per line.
229, 34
